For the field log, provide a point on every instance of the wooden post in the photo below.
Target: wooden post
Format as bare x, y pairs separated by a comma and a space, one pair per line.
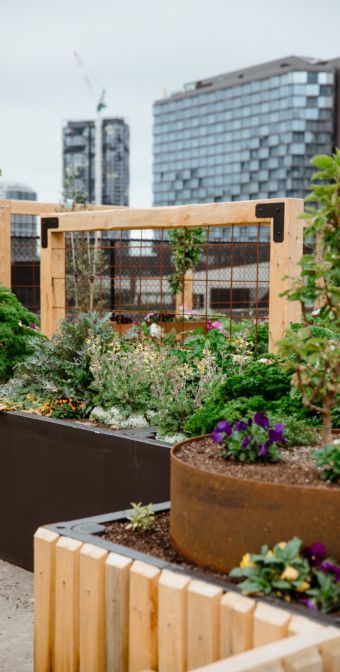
284, 258
52, 283
236, 627
5, 244
270, 624
203, 623
172, 622
331, 656
92, 608
143, 616
117, 580
67, 605
44, 599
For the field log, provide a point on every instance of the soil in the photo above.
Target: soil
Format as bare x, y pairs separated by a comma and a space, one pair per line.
152, 542
296, 465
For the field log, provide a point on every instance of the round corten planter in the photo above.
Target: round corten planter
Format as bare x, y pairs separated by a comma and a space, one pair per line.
215, 518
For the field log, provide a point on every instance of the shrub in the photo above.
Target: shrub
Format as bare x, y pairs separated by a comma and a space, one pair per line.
292, 573
251, 440
60, 368
17, 332
328, 461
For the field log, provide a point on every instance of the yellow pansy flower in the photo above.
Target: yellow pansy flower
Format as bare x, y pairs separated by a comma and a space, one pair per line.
289, 574
304, 585
246, 561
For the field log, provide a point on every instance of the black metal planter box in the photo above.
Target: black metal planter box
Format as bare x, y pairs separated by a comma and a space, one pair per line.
54, 470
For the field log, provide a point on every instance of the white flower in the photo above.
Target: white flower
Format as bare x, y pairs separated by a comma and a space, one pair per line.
156, 331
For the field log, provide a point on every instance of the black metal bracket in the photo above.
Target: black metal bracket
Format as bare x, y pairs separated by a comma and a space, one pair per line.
276, 211
46, 224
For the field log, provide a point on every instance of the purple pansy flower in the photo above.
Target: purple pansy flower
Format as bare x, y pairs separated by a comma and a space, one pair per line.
315, 553
224, 426
309, 603
239, 425
246, 441
276, 435
329, 568
261, 420
218, 437
263, 450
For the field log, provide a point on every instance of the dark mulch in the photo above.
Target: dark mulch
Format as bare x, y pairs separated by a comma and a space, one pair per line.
296, 466
153, 542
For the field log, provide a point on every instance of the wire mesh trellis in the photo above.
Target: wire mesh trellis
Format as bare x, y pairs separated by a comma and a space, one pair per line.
25, 260
129, 276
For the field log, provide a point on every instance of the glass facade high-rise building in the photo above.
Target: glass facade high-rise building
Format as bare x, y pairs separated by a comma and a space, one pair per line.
79, 148
246, 135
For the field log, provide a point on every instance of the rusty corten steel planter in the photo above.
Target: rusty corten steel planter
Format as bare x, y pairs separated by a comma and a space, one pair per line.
216, 518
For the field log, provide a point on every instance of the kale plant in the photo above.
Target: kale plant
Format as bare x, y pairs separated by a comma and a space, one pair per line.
328, 461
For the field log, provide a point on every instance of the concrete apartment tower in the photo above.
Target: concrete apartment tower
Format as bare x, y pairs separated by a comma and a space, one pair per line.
247, 134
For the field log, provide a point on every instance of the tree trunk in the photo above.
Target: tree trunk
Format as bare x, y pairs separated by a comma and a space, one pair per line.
327, 425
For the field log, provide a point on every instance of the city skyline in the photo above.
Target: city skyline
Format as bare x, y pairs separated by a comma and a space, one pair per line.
135, 60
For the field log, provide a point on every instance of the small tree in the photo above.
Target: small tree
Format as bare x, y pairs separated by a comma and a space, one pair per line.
313, 352
186, 248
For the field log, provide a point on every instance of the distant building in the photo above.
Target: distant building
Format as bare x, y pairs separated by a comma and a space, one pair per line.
23, 227
25, 246
79, 148
249, 134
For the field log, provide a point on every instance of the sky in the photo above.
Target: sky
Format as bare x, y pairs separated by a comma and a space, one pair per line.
138, 50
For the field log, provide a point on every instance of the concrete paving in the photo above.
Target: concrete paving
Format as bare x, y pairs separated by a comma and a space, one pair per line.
16, 619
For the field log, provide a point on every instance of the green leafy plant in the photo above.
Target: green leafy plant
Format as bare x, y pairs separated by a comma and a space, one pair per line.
64, 408
291, 572
141, 517
186, 248
60, 368
327, 460
18, 332
314, 358
251, 440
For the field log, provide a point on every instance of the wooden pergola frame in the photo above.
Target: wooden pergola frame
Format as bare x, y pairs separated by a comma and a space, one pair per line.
286, 246
11, 207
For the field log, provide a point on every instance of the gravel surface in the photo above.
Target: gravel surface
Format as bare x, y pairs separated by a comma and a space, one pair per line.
16, 619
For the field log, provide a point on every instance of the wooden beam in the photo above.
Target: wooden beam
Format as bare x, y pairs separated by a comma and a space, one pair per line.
263, 657
18, 207
203, 623
284, 258
270, 624
205, 214
92, 609
44, 599
172, 622
143, 617
236, 624
67, 605
117, 588
5, 244
305, 661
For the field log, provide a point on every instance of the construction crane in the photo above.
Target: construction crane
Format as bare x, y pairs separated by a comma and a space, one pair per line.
90, 83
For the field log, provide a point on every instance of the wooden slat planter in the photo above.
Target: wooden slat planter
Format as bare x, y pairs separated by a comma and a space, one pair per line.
140, 614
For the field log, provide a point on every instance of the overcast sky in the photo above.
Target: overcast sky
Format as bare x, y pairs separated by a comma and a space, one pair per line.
137, 50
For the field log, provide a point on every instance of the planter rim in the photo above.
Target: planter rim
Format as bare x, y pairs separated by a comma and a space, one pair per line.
236, 479
136, 434
85, 529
